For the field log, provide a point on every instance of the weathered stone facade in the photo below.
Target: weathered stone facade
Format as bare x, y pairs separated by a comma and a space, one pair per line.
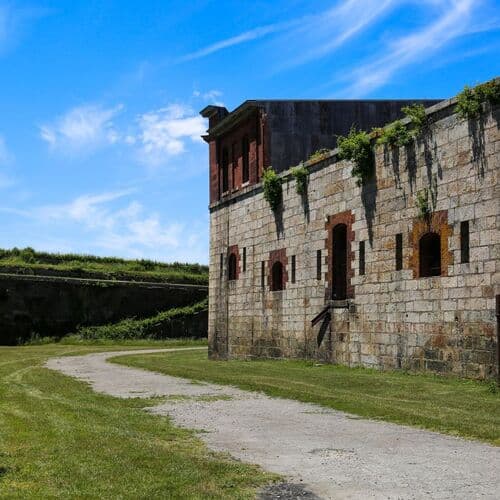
385, 317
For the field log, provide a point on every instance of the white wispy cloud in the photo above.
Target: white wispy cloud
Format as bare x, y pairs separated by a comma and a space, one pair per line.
246, 36
5, 159
456, 19
14, 20
119, 225
82, 128
212, 96
4, 153
320, 35
163, 133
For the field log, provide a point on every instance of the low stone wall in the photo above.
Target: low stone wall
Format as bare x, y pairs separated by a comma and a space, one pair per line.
55, 306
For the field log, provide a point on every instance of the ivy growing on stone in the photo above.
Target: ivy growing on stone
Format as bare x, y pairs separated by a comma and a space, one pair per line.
416, 113
469, 101
356, 147
424, 209
300, 173
272, 188
395, 134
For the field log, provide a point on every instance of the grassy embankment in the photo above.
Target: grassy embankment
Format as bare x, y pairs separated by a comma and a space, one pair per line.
449, 405
58, 439
28, 261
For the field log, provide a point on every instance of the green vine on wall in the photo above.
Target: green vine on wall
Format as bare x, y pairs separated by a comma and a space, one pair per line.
395, 134
357, 148
422, 202
469, 101
320, 154
272, 188
300, 173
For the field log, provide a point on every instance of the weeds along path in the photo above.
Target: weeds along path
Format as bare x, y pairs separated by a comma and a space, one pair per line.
333, 454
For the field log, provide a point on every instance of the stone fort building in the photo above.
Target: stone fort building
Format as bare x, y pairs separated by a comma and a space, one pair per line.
355, 274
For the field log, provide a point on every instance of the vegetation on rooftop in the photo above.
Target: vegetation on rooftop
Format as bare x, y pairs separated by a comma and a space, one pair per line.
470, 100
29, 261
356, 147
300, 174
272, 188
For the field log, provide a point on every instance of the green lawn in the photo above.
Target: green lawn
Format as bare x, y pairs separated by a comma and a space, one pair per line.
58, 439
29, 261
453, 406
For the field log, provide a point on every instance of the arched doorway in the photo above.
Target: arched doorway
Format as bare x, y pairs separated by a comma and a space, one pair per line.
339, 254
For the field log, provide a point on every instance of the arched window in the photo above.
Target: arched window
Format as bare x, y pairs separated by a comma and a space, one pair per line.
225, 170
231, 267
339, 238
277, 276
430, 255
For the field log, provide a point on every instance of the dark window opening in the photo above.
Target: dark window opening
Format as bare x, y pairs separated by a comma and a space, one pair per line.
361, 258
245, 155
464, 242
262, 274
244, 259
225, 170
430, 255
399, 251
221, 265
277, 277
231, 267
339, 252
293, 268
318, 264
234, 163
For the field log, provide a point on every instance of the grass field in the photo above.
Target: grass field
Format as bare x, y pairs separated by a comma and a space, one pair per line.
58, 439
28, 261
449, 405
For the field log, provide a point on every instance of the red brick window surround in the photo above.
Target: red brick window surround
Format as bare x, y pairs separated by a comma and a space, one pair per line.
422, 236
233, 263
340, 225
277, 269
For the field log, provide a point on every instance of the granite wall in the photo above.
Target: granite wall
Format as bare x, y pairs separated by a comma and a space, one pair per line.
391, 317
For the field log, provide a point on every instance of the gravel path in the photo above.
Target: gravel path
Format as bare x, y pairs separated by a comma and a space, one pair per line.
320, 451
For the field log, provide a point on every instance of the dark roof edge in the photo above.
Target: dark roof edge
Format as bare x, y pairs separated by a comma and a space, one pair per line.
227, 122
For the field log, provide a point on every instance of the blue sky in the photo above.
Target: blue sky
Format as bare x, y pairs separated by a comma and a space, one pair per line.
99, 126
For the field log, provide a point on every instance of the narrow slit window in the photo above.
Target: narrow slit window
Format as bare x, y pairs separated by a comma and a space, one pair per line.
225, 170
245, 155
221, 265
262, 274
318, 264
361, 258
464, 242
244, 259
234, 163
293, 268
232, 267
399, 251
277, 283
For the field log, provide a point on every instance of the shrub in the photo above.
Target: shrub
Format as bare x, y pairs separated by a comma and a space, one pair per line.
300, 174
416, 113
272, 188
356, 147
395, 134
320, 154
468, 103
155, 327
